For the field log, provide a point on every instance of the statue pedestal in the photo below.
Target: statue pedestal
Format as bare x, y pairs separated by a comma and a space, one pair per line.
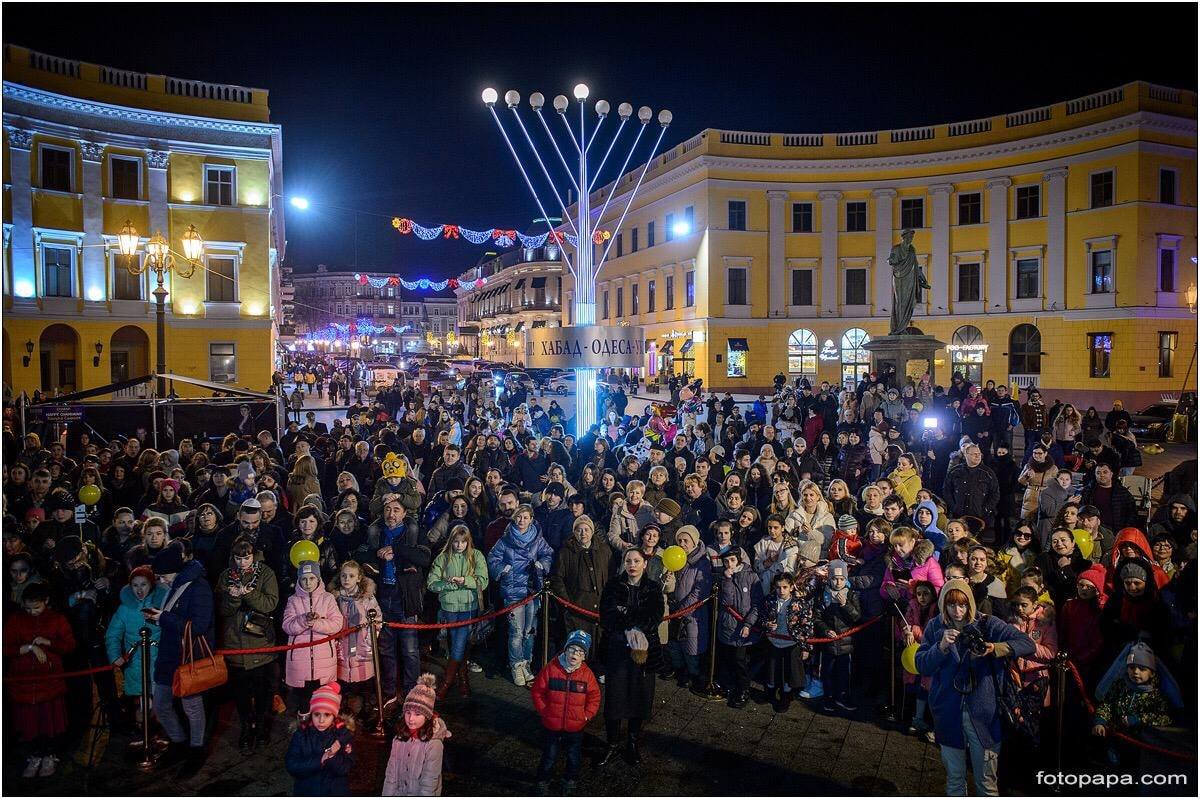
898, 350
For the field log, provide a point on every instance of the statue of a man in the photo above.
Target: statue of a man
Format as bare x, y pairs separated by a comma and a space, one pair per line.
907, 282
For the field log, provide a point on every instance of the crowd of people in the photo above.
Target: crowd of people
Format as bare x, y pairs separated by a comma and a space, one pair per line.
813, 515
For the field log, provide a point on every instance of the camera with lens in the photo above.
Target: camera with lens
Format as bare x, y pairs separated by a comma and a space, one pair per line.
973, 639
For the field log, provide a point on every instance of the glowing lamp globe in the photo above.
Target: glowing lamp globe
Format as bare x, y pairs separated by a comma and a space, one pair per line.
512, 98
645, 114
602, 108
537, 100
490, 96
665, 117
581, 92
560, 103
193, 245
127, 239
625, 110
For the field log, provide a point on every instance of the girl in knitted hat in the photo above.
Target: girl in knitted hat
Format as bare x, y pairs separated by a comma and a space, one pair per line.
415, 765
321, 753
355, 595
1137, 692
124, 630
311, 614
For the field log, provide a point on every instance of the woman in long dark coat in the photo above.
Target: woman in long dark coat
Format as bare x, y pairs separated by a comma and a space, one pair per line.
631, 608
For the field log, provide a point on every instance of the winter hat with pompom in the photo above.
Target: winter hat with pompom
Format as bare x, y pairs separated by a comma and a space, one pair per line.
422, 696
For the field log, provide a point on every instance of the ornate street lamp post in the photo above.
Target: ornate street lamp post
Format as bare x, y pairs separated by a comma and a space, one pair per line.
161, 260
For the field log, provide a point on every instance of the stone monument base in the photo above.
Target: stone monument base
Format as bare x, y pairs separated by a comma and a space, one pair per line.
898, 350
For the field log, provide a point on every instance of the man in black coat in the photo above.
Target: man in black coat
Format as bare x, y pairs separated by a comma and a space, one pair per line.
1117, 507
971, 488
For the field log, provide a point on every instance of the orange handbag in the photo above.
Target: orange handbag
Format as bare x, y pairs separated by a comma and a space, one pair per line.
196, 675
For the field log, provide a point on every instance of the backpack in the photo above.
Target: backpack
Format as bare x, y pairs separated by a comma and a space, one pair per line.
1020, 706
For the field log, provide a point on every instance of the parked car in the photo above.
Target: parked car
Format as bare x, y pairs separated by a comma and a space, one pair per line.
563, 383
1153, 422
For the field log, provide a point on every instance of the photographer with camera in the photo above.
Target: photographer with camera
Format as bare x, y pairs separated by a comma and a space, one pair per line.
966, 653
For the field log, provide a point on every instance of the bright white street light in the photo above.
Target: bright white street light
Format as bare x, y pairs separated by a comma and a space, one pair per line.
681, 228
581, 91
300, 202
490, 96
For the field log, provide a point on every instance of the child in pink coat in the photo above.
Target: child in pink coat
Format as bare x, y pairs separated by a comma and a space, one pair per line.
355, 595
311, 614
911, 558
1036, 619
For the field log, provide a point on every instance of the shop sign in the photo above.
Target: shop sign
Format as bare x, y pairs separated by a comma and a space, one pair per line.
966, 348
585, 347
828, 351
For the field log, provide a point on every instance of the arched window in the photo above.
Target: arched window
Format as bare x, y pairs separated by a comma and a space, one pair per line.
856, 361
802, 352
966, 353
1025, 350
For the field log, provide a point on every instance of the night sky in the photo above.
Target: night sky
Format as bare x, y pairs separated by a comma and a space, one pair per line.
381, 112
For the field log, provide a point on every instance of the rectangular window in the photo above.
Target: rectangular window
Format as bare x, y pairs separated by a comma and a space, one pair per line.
650, 296
125, 175
222, 280
391, 309
1166, 186
969, 289
1100, 350
1102, 189
1029, 278
1168, 340
737, 214
736, 293
620, 245
1102, 272
912, 212
802, 287
633, 300
620, 302
1029, 202
58, 271
970, 208
605, 306
222, 363
650, 234
689, 289
856, 216
856, 287
802, 218
689, 218
735, 357
1166, 270
57, 168
669, 301
126, 286
218, 183
633, 239
669, 230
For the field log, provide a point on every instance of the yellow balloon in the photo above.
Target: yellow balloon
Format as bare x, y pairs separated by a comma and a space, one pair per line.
674, 558
89, 494
302, 551
908, 658
1084, 541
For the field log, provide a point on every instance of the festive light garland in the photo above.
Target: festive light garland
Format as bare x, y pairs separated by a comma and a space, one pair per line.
423, 283
498, 236
339, 332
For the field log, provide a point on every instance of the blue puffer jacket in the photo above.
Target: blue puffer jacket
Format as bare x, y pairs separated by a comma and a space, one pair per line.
956, 670
530, 558
303, 760
194, 605
742, 592
124, 630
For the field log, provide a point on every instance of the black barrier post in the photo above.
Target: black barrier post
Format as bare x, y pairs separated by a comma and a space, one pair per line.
1060, 669
710, 690
147, 761
891, 669
545, 625
372, 615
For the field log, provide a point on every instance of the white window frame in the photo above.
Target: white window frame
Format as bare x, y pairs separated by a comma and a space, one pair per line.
116, 261
237, 270
812, 217
924, 212
668, 224
845, 226
232, 184
1097, 244
1091, 200
112, 157
972, 257
70, 151
1041, 202
848, 264
692, 274
235, 362
958, 208
744, 201
1168, 241
803, 265
816, 350
41, 273
738, 310
1025, 304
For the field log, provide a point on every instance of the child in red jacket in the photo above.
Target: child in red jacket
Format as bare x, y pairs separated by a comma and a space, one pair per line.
566, 696
35, 641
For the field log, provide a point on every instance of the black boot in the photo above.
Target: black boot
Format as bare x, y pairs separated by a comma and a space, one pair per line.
632, 755
175, 754
610, 755
193, 762
247, 738
262, 729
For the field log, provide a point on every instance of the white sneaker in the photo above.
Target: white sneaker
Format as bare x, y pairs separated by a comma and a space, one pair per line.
600, 679
49, 764
474, 667
32, 765
518, 674
530, 677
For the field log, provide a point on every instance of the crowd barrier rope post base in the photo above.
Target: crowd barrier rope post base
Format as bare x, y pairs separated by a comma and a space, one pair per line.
710, 691
147, 761
891, 672
1060, 688
372, 627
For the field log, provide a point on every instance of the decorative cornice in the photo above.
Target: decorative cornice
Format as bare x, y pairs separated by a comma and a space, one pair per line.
942, 188
91, 151
1058, 173
884, 193
14, 91
157, 159
20, 138
777, 194
998, 183
829, 195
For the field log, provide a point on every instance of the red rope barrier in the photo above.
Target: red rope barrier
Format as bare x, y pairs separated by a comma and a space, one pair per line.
400, 625
1091, 709
288, 647
838, 637
591, 614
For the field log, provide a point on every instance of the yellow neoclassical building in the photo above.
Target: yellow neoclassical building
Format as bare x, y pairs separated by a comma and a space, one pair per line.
89, 147
1060, 243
